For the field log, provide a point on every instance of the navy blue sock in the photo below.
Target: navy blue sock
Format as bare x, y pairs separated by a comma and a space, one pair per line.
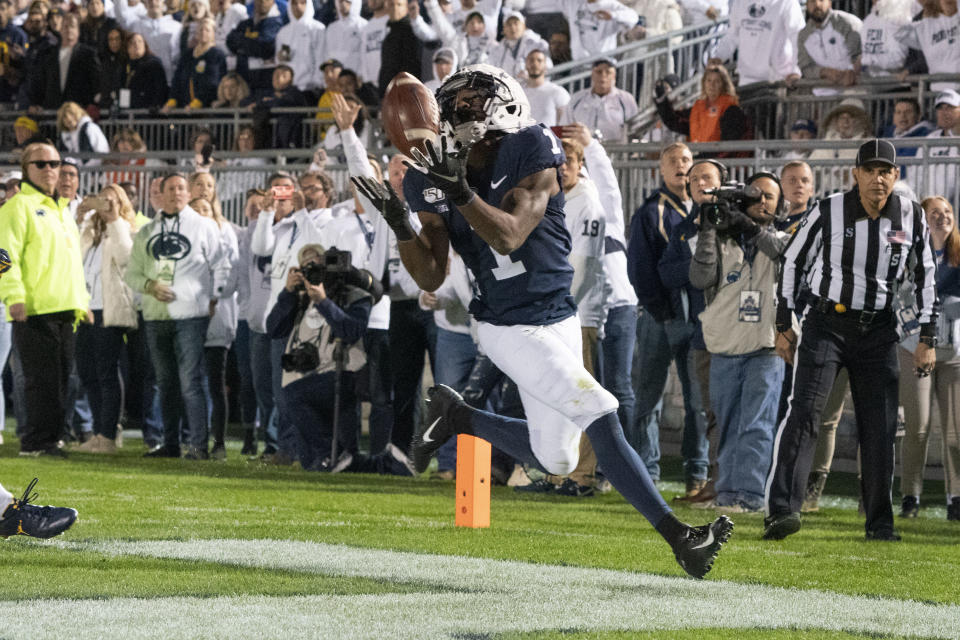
624, 468
507, 434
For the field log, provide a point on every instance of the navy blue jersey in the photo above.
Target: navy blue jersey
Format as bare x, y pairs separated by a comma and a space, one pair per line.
532, 284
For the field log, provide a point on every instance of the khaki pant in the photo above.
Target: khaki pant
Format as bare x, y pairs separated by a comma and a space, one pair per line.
916, 396
827, 436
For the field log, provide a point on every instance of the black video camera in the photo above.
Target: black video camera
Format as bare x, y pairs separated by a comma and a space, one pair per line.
303, 358
332, 269
733, 195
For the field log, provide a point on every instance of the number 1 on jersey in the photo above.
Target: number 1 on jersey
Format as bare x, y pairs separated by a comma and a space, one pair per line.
506, 268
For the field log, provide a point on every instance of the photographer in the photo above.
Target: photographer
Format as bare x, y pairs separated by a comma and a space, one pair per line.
319, 311
736, 263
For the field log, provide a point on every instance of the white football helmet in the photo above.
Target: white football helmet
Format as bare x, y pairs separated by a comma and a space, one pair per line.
497, 104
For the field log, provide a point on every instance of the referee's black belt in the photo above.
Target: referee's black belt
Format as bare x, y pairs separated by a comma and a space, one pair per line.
840, 310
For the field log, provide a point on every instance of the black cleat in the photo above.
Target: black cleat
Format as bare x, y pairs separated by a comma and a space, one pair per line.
778, 527
24, 519
699, 547
437, 427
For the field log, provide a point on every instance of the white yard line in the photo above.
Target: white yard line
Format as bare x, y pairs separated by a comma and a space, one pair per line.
461, 596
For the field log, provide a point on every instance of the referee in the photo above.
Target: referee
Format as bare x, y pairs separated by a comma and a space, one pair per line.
853, 249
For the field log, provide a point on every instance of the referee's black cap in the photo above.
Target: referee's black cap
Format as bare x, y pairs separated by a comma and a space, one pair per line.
877, 150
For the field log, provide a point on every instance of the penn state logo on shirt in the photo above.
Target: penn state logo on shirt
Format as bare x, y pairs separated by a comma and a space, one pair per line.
263, 263
757, 10
201, 66
733, 276
168, 246
40, 212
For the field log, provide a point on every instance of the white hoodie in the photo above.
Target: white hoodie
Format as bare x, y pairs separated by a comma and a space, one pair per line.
222, 330
589, 35
766, 35
883, 52
343, 42
304, 42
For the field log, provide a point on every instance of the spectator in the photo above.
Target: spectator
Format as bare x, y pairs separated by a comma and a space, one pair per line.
510, 54
739, 329
846, 121
936, 37
560, 47
714, 117
465, 32
113, 63
830, 46
68, 187
199, 71
401, 49
547, 100
489, 10
79, 133
232, 92
201, 142
235, 184
253, 41
595, 24
662, 337
70, 72
96, 27
766, 37
39, 38
44, 294
26, 130
179, 262
802, 129
796, 177
702, 12
662, 16
300, 45
222, 330
161, 33
343, 39
331, 72
349, 85
13, 41
289, 131
197, 12
884, 53
55, 20
604, 108
941, 179
227, 14
444, 64
917, 392
106, 242
906, 124
127, 140
145, 78
371, 41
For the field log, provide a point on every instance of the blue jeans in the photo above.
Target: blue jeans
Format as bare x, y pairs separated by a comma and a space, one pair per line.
142, 398
658, 344
176, 348
261, 372
288, 438
616, 359
248, 397
456, 353
744, 395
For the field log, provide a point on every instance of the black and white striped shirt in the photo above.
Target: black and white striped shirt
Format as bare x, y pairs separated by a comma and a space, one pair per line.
847, 258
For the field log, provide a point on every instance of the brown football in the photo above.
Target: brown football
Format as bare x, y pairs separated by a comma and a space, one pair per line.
410, 113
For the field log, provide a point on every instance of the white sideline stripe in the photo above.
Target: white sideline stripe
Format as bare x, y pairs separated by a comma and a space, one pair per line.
489, 596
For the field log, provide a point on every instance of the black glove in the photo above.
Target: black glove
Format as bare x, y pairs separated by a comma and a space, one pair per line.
660, 89
739, 222
446, 171
388, 203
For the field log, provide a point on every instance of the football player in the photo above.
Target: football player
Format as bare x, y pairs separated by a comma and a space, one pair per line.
491, 188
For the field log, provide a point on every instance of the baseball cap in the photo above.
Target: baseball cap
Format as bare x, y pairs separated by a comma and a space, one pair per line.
877, 150
332, 62
949, 97
804, 124
606, 60
27, 123
444, 53
507, 14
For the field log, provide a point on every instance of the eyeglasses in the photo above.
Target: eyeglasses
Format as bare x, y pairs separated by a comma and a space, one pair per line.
43, 164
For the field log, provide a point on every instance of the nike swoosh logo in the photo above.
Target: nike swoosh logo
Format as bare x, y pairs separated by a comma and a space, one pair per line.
426, 438
707, 542
494, 185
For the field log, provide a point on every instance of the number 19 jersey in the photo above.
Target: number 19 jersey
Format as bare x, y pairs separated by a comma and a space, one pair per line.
531, 286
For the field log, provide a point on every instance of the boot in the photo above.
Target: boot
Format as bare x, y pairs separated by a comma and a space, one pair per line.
815, 484
249, 440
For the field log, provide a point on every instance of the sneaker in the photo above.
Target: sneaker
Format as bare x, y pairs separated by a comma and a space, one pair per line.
395, 452
519, 477
707, 494
24, 519
437, 426
699, 547
694, 487
537, 486
574, 490
883, 535
815, 484
219, 452
163, 451
603, 486
910, 507
196, 454
780, 526
344, 460
953, 510
51, 452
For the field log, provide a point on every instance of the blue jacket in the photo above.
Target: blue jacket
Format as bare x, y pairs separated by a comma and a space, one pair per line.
674, 271
650, 230
254, 40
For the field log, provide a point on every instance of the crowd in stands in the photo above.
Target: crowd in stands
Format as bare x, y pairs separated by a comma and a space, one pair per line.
175, 305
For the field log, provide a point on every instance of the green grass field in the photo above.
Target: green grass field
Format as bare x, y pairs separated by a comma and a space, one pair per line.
178, 549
